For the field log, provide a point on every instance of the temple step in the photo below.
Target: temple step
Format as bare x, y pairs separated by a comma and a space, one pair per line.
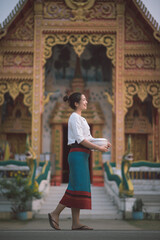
102, 206
151, 202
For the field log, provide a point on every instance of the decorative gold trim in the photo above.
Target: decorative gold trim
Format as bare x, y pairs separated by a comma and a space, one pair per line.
154, 90
142, 90
3, 90
98, 27
14, 88
16, 76
79, 8
139, 62
26, 89
79, 41
110, 98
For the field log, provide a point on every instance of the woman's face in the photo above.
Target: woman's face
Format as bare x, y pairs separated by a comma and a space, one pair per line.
82, 105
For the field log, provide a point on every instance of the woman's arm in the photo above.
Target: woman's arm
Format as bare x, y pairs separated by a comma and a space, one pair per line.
88, 144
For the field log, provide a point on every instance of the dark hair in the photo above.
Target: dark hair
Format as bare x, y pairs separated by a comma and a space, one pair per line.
74, 97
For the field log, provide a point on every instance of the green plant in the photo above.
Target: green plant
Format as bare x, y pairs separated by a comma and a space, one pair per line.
138, 205
19, 192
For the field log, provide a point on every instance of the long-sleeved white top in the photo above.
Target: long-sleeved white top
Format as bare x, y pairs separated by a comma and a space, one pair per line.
78, 129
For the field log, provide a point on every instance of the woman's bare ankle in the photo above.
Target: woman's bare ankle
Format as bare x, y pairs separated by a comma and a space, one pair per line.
76, 225
55, 216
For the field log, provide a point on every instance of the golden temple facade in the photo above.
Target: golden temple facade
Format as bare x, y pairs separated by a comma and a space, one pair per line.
117, 43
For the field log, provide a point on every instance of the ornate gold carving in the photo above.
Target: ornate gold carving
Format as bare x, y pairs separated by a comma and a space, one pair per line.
18, 60
79, 41
37, 82
46, 98
25, 30
154, 90
119, 86
133, 31
142, 90
80, 10
14, 88
56, 10
3, 90
26, 89
132, 62
110, 98
103, 10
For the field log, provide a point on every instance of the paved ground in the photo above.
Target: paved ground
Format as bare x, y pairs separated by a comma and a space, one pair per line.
79, 235
97, 224
103, 229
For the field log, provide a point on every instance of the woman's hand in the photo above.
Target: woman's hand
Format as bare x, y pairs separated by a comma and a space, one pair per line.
93, 146
103, 148
109, 145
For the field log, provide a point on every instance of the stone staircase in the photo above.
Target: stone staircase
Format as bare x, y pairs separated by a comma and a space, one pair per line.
102, 206
151, 202
149, 192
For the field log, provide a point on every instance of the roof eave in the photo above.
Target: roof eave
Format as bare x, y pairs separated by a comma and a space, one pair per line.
12, 16
148, 18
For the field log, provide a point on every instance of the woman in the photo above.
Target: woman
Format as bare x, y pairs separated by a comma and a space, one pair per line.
78, 193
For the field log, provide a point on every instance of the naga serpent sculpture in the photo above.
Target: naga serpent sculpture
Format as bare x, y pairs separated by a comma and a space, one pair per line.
31, 162
126, 187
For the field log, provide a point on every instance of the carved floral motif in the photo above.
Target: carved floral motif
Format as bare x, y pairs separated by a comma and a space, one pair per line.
133, 62
18, 60
79, 41
133, 31
25, 31
142, 90
14, 88
79, 10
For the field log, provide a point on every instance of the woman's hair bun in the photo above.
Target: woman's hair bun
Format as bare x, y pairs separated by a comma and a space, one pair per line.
65, 98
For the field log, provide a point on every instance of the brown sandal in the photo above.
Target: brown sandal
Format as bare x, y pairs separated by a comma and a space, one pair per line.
84, 227
53, 223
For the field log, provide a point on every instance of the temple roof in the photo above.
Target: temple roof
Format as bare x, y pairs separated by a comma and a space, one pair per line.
138, 3
147, 15
17, 9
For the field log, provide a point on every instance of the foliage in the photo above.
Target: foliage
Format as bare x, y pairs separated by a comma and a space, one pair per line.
138, 205
18, 191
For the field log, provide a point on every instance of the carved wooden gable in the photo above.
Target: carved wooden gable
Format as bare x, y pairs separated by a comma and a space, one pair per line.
23, 30
134, 29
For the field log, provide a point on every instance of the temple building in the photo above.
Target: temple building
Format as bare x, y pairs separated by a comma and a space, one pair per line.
107, 49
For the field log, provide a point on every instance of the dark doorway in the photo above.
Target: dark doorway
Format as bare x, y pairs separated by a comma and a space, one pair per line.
66, 148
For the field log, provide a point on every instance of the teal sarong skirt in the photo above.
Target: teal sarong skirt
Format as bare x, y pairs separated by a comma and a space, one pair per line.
78, 193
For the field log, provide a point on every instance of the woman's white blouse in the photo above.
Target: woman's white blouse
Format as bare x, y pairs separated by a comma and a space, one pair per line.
78, 129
